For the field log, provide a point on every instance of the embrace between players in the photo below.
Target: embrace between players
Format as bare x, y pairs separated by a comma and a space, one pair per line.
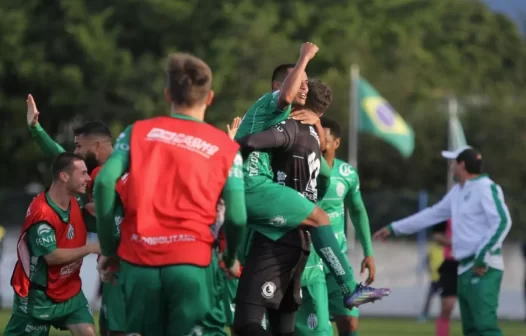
156, 201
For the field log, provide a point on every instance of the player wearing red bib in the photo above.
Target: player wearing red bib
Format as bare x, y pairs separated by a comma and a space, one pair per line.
179, 167
52, 244
93, 141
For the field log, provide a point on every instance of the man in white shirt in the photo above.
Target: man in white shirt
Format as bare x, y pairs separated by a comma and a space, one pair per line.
481, 221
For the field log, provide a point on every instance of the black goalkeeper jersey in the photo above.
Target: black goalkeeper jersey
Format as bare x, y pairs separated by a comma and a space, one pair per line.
295, 154
297, 165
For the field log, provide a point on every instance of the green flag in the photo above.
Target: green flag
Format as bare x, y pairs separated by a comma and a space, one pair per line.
380, 119
457, 138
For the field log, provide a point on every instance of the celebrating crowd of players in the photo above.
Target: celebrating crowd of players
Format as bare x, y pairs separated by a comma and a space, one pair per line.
179, 207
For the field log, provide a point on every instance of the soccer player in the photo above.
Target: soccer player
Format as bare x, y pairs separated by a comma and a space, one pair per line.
222, 313
51, 247
179, 167
344, 192
93, 141
481, 221
296, 165
280, 262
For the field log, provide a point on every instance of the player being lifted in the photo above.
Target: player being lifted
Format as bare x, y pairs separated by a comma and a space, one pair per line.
179, 167
51, 247
274, 210
270, 283
93, 141
343, 192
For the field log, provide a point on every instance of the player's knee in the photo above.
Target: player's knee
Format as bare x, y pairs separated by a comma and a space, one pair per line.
354, 324
346, 324
447, 306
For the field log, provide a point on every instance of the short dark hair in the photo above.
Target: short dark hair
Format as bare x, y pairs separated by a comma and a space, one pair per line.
63, 163
472, 160
93, 128
332, 125
319, 97
189, 79
280, 72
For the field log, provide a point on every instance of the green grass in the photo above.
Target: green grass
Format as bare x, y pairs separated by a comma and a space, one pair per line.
368, 327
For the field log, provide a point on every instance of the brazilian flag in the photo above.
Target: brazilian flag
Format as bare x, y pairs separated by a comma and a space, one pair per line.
379, 118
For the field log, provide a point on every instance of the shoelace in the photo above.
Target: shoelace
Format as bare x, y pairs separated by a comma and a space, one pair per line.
362, 288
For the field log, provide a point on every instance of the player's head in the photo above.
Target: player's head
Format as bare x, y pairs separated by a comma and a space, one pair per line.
91, 139
189, 82
332, 132
319, 97
465, 162
278, 77
70, 170
279, 74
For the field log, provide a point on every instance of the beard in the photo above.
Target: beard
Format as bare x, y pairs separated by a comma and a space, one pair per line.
91, 161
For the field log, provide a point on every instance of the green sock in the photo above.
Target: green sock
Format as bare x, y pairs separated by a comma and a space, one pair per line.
329, 251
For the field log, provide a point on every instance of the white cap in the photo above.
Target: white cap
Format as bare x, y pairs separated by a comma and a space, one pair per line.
452, 155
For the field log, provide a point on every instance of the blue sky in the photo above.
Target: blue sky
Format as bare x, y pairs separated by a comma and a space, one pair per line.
515, 9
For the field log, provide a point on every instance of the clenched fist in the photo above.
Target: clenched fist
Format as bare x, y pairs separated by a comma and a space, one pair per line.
308, 50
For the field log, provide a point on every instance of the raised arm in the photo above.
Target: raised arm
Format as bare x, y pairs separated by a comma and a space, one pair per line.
104, 194
44, 141
293, 82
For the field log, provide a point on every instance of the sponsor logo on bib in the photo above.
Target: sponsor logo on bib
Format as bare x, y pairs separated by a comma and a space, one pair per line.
71, 231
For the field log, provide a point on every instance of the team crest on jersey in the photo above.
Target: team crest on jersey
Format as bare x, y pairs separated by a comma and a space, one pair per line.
340, 189
71, 231
268, 289
281, 177
196, 331
312, 321
345, 170
278, 221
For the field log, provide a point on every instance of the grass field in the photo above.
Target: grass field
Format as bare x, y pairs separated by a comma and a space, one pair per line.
369, 327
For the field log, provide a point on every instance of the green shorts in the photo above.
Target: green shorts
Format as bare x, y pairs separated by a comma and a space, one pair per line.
230, 294
112, 313
313, 316
74, 311
336, 307
220, 315
168, 300
273, 209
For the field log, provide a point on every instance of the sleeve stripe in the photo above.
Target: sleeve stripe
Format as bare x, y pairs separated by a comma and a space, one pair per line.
503, 224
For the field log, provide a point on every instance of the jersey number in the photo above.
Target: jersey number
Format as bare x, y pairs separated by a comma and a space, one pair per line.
314, 170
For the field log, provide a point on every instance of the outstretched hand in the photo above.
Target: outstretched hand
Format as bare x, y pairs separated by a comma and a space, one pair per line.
233, 127
382, 234
305, 117
32, 111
